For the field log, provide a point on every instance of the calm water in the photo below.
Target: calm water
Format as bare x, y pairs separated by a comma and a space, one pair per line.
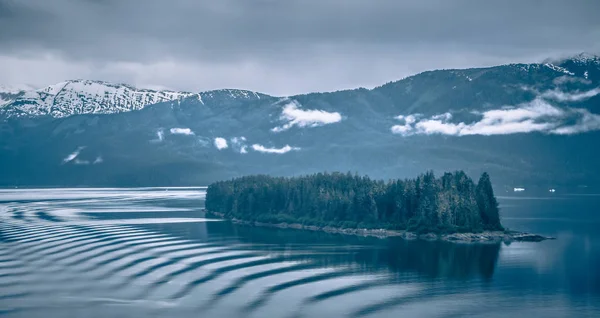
151, 253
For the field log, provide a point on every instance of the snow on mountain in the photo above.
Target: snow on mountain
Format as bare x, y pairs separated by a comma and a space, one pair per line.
84, 97
10, 93
558, 68
96, 97
586, 58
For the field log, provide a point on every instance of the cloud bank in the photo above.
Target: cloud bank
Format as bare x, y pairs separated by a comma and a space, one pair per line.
570, 97
285, 149
536, 116
305, 118
221, 143
258, 45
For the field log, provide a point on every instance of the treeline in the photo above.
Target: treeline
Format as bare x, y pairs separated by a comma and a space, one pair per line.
450, 203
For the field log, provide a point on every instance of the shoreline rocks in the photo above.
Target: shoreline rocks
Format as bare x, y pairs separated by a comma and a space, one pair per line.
483, 237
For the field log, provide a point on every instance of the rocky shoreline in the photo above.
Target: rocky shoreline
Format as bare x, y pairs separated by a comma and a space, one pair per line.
483, 237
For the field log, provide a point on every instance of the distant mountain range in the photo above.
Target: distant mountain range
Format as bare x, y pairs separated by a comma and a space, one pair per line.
528, 125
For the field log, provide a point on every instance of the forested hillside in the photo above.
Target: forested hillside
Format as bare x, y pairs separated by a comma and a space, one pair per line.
451, 203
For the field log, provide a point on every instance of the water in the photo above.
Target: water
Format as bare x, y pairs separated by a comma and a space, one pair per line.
151, 253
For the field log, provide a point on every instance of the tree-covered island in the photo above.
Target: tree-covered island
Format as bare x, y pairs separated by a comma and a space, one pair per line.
451, 207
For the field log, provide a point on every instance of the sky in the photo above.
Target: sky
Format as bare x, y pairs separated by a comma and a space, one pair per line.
280, 47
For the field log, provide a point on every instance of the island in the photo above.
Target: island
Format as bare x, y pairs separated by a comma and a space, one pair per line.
450, 208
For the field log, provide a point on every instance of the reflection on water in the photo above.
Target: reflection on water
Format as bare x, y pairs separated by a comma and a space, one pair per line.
150, 252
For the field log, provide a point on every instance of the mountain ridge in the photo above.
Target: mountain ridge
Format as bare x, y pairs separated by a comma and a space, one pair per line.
526, 124
82, 99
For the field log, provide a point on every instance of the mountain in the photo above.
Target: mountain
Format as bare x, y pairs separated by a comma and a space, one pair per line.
76, 97
10, 93
528, 125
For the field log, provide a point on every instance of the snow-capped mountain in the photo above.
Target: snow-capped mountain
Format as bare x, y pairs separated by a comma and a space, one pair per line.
10, 93
81, 97
77, 97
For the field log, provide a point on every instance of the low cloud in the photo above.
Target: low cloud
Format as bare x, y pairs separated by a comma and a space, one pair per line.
181, 131
561, 96
305, 118
221, 143
536, 116
239, 144
285, 149
570, 79
204, 142
98, 160
160, 136
73, 155
81, 162
406, 127
586, 122
238, 140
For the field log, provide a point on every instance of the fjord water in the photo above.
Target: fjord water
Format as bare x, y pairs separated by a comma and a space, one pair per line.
149, 252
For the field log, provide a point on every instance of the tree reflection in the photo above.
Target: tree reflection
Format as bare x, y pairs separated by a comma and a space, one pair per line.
371, 255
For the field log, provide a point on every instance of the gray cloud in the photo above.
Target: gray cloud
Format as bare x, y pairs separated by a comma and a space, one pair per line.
280, 47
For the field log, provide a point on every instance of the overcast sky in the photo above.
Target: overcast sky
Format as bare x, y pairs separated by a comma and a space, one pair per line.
280, 47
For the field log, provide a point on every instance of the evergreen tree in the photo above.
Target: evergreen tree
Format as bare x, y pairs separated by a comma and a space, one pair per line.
487, 204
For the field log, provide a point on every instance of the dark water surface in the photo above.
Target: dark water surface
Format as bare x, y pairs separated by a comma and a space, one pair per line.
150, 253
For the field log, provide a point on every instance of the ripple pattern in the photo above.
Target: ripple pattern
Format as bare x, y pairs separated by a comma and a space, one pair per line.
144, 252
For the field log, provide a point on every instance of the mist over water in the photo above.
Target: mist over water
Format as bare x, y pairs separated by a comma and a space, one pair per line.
151, 252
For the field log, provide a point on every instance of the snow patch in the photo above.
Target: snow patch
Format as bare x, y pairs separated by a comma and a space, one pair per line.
558, 68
